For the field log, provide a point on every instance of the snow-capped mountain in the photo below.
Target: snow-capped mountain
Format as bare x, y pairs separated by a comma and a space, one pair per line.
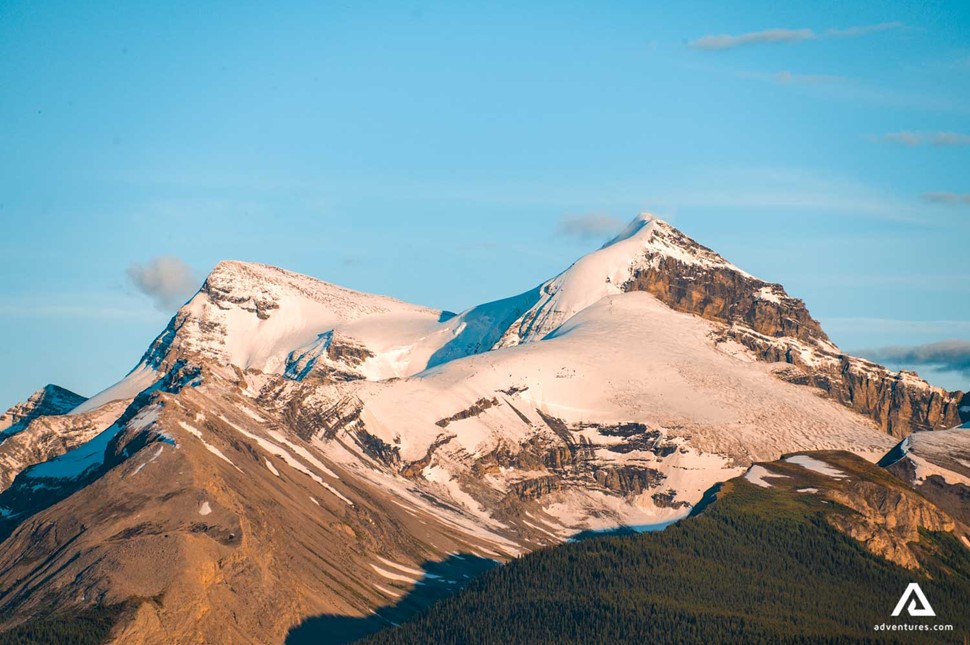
287, 447
259, 317
47, 401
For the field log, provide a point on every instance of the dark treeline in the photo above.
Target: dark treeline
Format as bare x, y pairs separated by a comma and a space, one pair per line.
88, 627
757, 566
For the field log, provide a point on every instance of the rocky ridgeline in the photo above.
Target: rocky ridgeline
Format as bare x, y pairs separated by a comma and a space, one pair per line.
49, 400
779, 328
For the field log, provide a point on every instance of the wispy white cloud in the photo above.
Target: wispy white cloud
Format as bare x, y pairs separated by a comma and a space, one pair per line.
947, 198
167, 280
908, 138
905, 138
951, 355
726, 41
786, 77
588, 227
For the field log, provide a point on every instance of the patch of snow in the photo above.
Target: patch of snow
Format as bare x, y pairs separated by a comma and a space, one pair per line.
815, 465
926, 469
768, 293
76, 462
756, 475
205, 509
442, 477
288, 458
140, 378
208, 446
545, 531
155, 456
302, 452
401, 567
392, 576
252, 415
388, 592
271, 467
806, 490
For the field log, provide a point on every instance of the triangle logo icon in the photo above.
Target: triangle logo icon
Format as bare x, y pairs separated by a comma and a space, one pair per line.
918, 604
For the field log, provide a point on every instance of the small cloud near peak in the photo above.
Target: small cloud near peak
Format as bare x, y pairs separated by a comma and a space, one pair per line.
167, 280
589, 227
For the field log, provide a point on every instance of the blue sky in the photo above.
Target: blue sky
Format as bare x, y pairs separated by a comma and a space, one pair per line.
432, 151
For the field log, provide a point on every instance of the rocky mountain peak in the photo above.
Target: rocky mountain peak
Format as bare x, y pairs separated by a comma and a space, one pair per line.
252, 315
49, 400
690, 277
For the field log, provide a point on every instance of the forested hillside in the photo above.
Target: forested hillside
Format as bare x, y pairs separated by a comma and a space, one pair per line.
758, 565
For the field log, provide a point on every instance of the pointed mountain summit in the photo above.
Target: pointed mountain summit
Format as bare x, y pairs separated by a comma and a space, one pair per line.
651, 255
49, 400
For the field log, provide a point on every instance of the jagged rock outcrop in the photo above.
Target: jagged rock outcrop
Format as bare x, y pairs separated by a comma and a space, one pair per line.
888, 519
899, 402
667, 498
628, 480
47, 401
708, 286
37, 430
472, 411
779, 328
45, 437
536, 487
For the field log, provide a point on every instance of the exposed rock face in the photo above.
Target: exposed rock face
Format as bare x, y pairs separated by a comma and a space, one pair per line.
536, 487
36, 430
46, 437
667, 500
628, 480
779, 328
899, 402
718, 291
888, 519
332, 356
49, 400
953, 497
480, 406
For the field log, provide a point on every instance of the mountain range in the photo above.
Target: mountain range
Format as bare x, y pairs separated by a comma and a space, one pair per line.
287, 449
